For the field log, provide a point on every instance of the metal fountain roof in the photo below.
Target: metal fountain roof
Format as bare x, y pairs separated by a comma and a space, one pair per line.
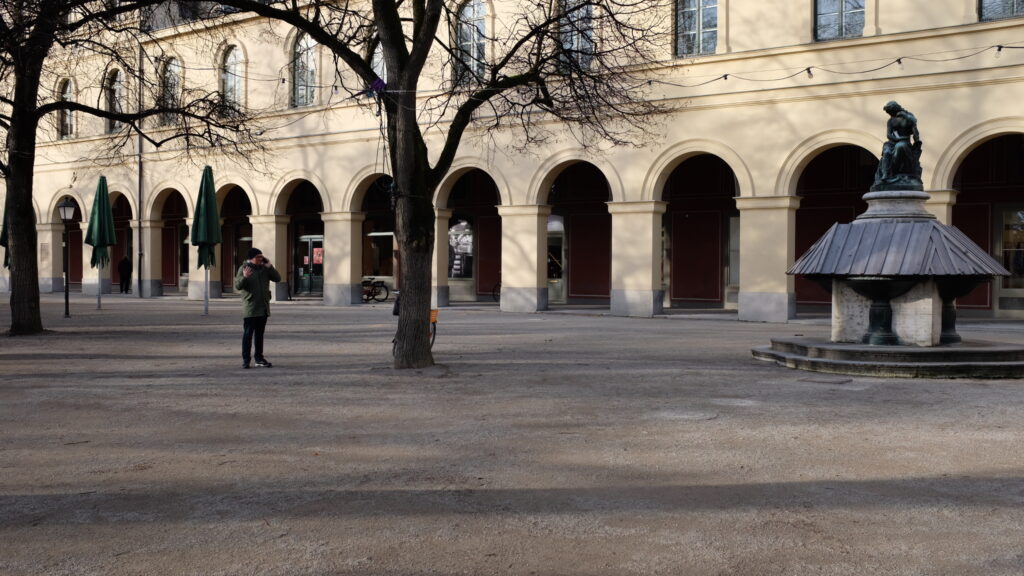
895, 237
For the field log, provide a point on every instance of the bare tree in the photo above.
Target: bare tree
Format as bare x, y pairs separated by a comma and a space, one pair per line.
581, 63
46, 39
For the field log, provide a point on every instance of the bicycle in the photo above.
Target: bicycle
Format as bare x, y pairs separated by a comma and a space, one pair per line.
374, 290
496, 292
433, 325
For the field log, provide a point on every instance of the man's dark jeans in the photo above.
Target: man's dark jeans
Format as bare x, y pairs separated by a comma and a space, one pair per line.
254, 326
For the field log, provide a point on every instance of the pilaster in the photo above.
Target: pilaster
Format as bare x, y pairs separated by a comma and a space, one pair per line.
767, 242
50, 257
941, 205
439, 272
524, 237
150, 284
636, 258
343, 258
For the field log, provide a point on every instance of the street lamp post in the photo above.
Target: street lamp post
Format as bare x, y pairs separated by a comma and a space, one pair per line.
66, 208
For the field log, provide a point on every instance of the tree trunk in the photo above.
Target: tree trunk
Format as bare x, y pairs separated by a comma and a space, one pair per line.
21, 219
414, 230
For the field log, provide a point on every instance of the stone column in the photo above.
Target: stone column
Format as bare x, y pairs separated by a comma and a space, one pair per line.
343, 258
270, 234
439, 275
51, 257
941, 204
151, 283
768, 243
636, 258
524, 275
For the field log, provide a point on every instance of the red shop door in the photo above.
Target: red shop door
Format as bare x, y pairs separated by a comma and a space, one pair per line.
697, 256
974, 221
590, 259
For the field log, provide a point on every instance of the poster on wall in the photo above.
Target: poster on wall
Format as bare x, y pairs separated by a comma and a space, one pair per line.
318, 255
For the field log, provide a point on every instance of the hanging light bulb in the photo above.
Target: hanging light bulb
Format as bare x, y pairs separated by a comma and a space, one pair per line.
809, 73
999, 51
899, 63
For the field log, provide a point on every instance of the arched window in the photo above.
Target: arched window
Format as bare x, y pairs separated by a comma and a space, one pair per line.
231, 77
837, 19
377, 63
66, 118
470, 31
304, 71
170, 90
113, 96
576, 33
696, 27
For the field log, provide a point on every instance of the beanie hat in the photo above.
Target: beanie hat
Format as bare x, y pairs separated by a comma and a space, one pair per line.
253, 252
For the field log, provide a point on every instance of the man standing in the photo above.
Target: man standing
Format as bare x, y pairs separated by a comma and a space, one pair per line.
124, 270
253, 282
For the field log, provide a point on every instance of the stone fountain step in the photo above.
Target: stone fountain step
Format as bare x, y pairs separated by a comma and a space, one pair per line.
969, 359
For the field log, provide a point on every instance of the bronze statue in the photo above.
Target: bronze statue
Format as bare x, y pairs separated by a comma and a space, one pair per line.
900, 165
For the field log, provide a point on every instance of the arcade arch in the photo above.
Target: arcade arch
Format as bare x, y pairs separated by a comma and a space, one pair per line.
474, 237
579, 235
830, 188
236, 232
989, 209
701, 233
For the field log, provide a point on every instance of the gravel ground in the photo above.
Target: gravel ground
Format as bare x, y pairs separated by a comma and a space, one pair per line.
132, 443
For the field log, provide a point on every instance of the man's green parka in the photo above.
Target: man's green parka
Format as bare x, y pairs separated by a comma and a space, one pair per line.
255, 289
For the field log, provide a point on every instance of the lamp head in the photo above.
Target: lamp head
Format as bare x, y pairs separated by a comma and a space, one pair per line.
66, 209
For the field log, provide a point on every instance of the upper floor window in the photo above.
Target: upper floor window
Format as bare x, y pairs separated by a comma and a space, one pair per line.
66, 118
304, 71
696, 27
231, 77
577, 33
113, 98
377, 63
470, 38
996, 9
170, 90
838, 19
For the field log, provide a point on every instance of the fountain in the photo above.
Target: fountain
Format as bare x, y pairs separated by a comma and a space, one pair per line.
894, 274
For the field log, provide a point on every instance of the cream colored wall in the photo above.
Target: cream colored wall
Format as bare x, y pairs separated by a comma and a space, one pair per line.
767, 130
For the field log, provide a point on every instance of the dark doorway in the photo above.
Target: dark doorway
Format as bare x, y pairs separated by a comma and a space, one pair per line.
583, 261
699, 222
830, 190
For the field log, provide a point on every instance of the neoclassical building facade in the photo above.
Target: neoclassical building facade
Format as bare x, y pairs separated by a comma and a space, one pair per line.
773, 134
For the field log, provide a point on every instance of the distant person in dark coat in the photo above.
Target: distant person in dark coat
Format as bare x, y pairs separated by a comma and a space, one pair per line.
253, 283
124, 270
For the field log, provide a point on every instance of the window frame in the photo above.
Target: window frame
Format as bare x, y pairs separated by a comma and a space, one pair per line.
698, 32
231, 76
113, 95
841, 16
303, 63
66, 118
1013, 8
576, 34
471, 41
170, 90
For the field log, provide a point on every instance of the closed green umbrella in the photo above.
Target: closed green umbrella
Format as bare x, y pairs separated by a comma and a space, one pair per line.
206, 230
100, 234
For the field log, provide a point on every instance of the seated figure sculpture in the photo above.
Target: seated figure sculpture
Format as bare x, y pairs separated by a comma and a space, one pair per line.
900, 165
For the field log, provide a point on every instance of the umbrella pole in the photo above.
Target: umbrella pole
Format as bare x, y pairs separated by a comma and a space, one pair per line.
99, 290
206, 291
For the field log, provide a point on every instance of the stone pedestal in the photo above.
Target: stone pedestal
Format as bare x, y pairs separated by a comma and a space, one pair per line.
916, 315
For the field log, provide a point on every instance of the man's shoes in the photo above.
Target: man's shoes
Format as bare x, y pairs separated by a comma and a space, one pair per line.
245, 365
262, 363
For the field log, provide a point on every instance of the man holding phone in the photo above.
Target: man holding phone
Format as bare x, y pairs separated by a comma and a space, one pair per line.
253, 283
